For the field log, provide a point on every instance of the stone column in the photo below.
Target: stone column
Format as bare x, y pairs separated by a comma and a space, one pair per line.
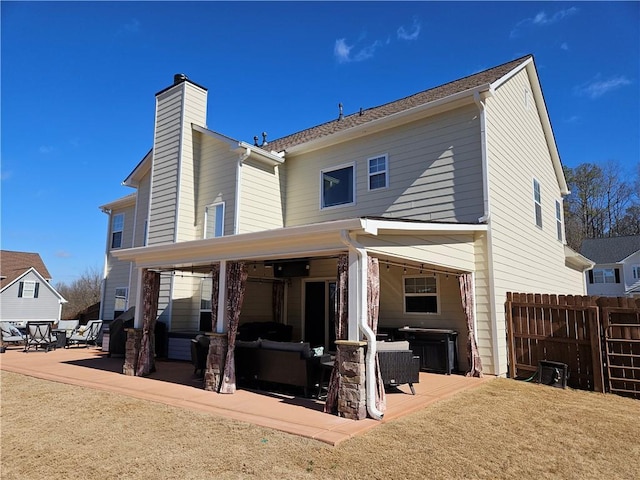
132, 349
352, 395
218, 345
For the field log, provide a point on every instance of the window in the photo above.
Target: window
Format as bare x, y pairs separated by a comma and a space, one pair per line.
421, 295
604, 275
28, 289
117, 225
559, 220
378, 176
120, 304
537, 201
214, 221
338, 186
206, 291
636, 272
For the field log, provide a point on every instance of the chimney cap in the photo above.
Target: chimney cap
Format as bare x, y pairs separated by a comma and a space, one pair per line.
179, 78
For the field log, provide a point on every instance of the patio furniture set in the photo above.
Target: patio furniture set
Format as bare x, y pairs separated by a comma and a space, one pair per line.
264, 363
47, 335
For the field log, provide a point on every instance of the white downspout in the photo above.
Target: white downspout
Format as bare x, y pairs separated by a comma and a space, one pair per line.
370, 360
236, 211
486, 217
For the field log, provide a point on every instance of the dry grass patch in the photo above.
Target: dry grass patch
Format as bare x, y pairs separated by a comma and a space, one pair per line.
502, 429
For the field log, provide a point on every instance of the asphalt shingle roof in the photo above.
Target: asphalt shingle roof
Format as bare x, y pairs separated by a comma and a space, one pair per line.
610, 250
487, 76
14, 264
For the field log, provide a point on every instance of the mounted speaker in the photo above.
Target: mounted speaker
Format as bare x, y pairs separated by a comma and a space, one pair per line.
291, 269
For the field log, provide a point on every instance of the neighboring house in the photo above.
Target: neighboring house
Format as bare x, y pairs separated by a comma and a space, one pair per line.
464, 178
617, 266
25, 289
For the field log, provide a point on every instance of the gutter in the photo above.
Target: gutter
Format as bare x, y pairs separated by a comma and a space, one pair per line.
370, 360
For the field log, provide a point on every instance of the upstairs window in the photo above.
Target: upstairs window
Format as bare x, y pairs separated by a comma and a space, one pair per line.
559, 220
378, 172
117, 225
338, 186
214, 221
28, 289
537, 202
604, 275
635, 270
421, 294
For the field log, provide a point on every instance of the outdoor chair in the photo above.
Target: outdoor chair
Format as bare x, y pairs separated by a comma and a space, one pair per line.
199, 353
38, 335
398, 364
87, 334
10, 334
69, 326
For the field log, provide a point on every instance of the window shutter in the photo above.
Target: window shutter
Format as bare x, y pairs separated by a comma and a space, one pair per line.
590, 276
617, 272
20, 287
35, 293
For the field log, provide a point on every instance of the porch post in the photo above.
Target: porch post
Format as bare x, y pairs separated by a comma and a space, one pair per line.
138, 313
352, 396
220, 325
218, 345
132, 350
353, 333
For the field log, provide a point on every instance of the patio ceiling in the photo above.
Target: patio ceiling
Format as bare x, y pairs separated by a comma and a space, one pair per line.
316, 240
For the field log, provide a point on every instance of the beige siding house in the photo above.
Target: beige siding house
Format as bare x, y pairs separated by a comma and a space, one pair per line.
461, 179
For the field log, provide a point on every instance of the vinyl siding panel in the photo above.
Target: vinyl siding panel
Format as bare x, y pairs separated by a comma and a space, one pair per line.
434, 170
185, 310
447, 251
45, 307
261, 197
216, 182
173, 163
526, 258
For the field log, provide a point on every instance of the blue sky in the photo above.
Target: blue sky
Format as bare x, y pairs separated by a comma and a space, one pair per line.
79, 82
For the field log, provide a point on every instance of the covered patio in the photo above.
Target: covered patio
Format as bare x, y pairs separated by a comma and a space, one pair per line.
174, 384
360, 249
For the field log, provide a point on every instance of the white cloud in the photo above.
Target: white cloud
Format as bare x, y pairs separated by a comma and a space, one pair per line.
342, 51
412, 34
63, 254
541, 19
597, 87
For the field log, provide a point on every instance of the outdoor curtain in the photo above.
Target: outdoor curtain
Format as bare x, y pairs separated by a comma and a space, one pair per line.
373, 307
466, 293
215, 286
236, 284
150, 291
341, 316
277, 301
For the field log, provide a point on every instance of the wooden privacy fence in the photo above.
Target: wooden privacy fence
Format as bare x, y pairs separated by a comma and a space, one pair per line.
598, 338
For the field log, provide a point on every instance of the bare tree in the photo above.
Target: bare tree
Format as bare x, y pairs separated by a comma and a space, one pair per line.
602, 203
81, 293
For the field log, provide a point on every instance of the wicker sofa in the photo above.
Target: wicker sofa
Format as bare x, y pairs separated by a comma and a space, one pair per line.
398, 364
286, 363
261, 362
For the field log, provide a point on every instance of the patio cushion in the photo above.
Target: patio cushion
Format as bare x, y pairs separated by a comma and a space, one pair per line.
387, 346
302, 347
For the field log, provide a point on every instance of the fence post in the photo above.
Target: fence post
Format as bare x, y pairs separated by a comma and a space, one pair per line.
596, 348
511, 341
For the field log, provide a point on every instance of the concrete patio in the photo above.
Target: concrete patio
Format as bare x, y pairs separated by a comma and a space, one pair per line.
175, 384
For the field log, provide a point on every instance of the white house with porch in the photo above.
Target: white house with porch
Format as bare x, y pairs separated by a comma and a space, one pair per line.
456, 192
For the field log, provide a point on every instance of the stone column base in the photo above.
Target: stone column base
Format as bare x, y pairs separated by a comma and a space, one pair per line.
352, 395
218, 345
132, 349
